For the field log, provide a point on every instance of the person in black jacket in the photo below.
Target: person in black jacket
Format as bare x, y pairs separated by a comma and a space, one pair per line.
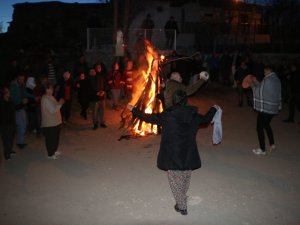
84, 89
239, 76
65, 91
170, 29
7, 122
178, 153
294, 101
98, 96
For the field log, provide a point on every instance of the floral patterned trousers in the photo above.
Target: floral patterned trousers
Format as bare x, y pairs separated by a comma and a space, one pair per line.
179, 183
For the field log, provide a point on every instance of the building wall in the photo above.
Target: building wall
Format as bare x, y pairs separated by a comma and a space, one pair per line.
201, 23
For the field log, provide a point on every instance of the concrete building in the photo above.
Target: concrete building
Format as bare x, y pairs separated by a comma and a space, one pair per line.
202, 24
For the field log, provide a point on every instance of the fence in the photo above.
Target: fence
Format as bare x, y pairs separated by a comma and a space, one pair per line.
104, 39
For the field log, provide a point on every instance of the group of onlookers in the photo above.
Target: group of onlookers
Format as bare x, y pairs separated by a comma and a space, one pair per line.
42, 104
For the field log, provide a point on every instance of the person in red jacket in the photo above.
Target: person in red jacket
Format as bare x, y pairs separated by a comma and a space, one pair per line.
128, 74
116, 80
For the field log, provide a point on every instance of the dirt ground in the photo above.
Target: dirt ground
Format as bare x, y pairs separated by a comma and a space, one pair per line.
100, 180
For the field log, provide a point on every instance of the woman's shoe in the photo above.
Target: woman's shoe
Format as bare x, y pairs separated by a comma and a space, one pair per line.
182, 211
52, 157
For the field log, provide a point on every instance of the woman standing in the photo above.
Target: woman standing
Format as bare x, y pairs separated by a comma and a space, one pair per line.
178, 153
51, 121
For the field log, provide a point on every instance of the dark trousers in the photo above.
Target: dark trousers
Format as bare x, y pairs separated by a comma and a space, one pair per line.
263, 123
170, 42
84, 105
31, 120
52, 138
66, 110
7, 134
242, 92
98, 111
293, 102
34, 120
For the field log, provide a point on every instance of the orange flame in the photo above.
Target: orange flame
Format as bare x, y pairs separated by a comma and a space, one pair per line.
147, 76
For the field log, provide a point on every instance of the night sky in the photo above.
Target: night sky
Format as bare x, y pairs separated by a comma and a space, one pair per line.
6, 8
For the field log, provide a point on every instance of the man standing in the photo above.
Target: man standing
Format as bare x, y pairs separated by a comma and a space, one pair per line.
19, 97
98, 80
148, 26
175, 83
171, 30
267, 103
294, 101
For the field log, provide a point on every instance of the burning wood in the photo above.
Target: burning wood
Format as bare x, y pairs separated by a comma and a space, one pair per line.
146, 88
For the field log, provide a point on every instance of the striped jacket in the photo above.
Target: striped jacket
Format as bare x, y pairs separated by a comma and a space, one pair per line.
267, 95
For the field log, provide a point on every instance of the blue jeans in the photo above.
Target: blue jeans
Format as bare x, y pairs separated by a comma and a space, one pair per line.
21, 124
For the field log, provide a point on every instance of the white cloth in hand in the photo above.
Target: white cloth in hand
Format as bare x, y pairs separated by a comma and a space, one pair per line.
217, 130
204, 75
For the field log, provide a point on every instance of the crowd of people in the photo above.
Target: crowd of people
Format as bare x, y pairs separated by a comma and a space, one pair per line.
42, 104
93, 85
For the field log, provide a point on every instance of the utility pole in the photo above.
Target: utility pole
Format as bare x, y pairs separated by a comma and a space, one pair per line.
126, 19
116, 12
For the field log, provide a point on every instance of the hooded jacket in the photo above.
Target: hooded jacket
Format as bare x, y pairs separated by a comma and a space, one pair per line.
178, 147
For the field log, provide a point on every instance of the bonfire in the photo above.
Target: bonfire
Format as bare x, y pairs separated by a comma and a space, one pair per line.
146, 89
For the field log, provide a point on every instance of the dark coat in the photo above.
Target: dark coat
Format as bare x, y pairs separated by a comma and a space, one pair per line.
178, 147
85, 91
64, 86
295, 82
7, 113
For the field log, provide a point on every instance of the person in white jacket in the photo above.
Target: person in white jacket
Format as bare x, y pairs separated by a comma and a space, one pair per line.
51, 121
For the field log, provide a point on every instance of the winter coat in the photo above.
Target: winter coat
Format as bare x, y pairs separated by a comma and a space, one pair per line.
172, 86
178, 147
50, 109
65, 89
97, 84
84, 90
18, 93
170, 26
267, 95
7, 113
116, 78
31, 105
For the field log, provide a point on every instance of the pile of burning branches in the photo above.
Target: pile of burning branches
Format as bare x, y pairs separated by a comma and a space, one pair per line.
146, 89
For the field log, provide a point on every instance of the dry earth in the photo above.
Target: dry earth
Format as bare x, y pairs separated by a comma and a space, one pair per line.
100, 181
